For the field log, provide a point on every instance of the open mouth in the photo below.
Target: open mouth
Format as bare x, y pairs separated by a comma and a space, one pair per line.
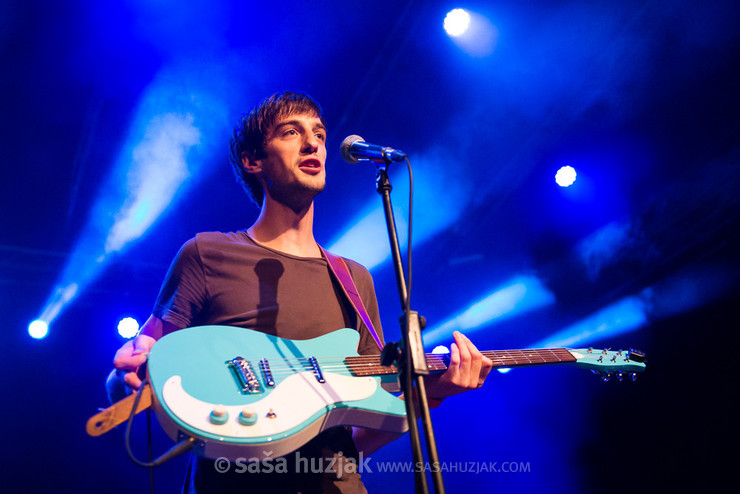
310, 166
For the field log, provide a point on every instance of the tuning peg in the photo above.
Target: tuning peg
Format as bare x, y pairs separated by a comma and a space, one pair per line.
633, 376
620, 376
606, 376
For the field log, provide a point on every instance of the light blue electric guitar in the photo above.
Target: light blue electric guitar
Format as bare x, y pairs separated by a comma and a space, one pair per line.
244, 394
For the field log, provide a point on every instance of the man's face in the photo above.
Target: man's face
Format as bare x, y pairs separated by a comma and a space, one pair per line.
292, 169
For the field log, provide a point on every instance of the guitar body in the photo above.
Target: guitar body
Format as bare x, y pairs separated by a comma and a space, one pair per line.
211, 383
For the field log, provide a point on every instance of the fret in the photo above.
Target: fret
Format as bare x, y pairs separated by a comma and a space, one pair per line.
369, 365
512, 358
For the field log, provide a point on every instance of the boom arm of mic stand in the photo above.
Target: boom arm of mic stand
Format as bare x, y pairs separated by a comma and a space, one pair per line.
409, 355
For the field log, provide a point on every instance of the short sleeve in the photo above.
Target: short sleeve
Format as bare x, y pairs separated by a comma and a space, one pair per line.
183, 295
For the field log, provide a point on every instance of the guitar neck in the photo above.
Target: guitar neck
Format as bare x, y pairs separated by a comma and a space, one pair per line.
369, 365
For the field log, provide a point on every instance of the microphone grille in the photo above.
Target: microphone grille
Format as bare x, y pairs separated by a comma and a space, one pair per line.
344, 149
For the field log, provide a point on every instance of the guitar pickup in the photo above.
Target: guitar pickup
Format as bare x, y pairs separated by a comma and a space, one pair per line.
245, 376
316, 369
267, 373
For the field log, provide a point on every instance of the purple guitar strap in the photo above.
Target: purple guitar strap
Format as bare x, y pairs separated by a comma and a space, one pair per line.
341, 272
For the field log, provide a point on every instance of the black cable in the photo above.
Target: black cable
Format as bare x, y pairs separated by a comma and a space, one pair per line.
176, 450
420, 385
408, 244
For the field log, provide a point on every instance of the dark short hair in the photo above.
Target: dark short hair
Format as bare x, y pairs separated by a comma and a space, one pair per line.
250, 133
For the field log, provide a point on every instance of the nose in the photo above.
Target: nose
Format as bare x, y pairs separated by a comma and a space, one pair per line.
311, 143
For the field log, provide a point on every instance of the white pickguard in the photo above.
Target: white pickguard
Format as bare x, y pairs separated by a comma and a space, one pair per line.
292, 403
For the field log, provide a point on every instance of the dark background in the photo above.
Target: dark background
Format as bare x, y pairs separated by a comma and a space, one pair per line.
641, 97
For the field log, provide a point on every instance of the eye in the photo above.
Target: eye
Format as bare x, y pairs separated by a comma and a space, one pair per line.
321, 136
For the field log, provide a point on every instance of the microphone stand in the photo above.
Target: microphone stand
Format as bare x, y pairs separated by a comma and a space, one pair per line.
408, 354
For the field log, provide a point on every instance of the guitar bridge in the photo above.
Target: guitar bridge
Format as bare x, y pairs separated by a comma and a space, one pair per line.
247, 379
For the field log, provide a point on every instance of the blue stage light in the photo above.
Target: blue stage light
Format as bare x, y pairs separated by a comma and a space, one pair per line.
456, 22
179, 120
128, 327
522, 294
472, 32
566, 176
365, 239
618, 318
38, 329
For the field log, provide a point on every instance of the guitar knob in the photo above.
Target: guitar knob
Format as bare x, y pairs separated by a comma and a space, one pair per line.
247, 417
219, 415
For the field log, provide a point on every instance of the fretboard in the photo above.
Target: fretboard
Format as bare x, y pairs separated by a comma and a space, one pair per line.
369, 365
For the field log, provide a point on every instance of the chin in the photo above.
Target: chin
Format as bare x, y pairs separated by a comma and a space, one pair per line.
299, 196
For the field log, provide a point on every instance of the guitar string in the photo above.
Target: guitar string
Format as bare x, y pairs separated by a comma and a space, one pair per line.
354, 364
497, 355
366, 365
365, 362
374, 359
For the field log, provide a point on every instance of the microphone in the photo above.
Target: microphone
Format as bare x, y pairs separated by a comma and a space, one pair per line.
354, 149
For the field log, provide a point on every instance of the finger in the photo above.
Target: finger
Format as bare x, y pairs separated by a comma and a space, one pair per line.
480, 365
132, 380
129, 362
453, 369
465, 357
476, 359
125, 359
486, 367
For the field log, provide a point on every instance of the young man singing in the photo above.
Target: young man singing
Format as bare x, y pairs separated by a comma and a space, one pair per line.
273, 278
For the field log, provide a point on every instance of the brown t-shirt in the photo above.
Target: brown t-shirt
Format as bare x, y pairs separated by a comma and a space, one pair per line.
229, 279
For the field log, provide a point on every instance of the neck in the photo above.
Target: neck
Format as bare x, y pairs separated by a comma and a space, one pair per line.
281, 228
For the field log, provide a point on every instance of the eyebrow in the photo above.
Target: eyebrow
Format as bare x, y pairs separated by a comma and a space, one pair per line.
297, 123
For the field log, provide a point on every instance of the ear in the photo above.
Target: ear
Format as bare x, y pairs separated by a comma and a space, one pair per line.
250, 164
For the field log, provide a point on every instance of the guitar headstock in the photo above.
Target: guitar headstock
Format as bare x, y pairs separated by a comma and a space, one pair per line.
609, 363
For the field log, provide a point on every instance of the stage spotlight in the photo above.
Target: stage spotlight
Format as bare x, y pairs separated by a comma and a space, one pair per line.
472, 32
566, 176
128, 327
38, 329
440, 350
456, 22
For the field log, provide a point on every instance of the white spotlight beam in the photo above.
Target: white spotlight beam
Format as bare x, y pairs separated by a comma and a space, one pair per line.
522, 294
175, 117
